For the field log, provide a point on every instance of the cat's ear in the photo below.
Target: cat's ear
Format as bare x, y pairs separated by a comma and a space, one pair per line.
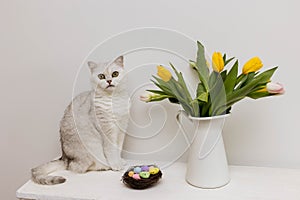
92, 65
119, 61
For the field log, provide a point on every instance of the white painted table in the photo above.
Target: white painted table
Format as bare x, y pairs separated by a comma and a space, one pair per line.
247, 183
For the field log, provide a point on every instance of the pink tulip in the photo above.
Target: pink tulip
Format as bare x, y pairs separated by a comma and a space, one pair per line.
275, 88
146, 97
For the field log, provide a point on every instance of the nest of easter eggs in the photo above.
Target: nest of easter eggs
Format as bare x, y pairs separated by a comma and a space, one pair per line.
141, 177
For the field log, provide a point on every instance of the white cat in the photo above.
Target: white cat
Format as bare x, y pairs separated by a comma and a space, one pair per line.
93, 127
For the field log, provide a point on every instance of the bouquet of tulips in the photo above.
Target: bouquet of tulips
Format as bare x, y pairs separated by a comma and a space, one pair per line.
218, 88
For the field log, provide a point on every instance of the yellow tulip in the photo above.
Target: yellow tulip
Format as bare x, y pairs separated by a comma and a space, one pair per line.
217, 62
252, 65
262, 90
163, 73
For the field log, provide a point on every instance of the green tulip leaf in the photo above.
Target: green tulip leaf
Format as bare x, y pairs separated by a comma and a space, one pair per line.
257, 95
228, 61
266, 75
230, 80
223, 74
224, 57
212, 79
202, 68
203, 97
157, 92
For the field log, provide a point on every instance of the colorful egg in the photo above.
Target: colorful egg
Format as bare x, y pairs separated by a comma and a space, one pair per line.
144, 174
145, 168
154, 170
131, 173
137, 170
136, 177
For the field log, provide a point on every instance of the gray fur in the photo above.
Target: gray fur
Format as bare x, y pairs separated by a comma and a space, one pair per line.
93, 127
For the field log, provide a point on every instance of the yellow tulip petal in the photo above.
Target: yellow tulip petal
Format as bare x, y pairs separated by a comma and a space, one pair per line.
163, 73
262, 90
252, 65
217, 62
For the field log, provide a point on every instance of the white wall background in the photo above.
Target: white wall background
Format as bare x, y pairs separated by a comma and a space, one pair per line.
42, 44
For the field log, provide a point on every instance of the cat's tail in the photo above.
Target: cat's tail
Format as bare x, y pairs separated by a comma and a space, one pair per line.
41, 173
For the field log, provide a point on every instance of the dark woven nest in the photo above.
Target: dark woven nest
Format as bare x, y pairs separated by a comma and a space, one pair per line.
142, 183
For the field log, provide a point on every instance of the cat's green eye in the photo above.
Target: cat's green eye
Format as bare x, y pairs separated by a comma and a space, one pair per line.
115, 74
101, 76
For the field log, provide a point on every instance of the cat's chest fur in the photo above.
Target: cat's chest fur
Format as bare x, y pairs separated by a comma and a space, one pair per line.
110, 108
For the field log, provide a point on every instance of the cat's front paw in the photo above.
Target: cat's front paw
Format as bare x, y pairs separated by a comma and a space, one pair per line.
117, 166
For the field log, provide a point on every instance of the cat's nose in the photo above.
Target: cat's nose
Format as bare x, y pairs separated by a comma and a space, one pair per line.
108, 81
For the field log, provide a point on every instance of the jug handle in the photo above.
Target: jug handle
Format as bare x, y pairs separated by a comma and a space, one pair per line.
181, 125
